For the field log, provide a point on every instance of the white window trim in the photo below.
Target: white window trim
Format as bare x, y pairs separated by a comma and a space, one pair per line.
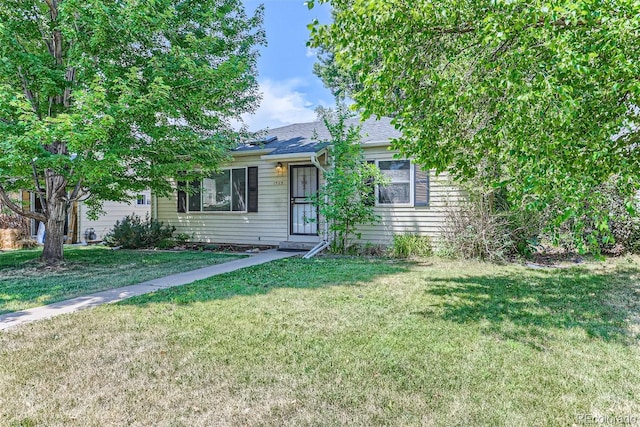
229, 212
411, 185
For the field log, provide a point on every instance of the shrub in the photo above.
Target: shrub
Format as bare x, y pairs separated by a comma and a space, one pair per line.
181, 239
134, 233
489, 227
409, 245
371, 249
613, 230
473, 231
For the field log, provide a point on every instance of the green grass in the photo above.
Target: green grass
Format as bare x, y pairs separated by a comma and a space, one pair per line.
341, 342
25, 282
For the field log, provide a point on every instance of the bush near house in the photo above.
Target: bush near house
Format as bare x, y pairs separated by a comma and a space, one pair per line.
489, 227
134, 233
410, 245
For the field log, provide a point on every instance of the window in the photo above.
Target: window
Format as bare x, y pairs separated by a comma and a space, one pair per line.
225, 191
398, 190
407, 184
141, 199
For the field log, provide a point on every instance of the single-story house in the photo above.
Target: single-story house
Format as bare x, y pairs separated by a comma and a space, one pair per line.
262, 196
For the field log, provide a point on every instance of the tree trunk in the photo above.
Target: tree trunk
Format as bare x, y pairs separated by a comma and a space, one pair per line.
56, 212
72, 233
54, 238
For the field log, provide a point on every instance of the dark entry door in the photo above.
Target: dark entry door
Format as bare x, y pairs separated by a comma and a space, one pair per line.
304, 215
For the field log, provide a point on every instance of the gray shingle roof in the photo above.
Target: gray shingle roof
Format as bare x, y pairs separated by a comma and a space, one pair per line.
314, 136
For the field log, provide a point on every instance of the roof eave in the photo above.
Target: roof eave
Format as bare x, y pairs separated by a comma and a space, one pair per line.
305, 155
382, 143
258, 152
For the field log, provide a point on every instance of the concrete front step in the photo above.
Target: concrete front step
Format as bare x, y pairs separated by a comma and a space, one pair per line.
296, 246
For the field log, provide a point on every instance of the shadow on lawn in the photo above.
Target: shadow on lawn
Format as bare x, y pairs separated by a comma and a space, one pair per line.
285, 273
528, 307
26, 282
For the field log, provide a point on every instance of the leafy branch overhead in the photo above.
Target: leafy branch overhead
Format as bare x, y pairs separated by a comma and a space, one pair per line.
540, 98
99, 99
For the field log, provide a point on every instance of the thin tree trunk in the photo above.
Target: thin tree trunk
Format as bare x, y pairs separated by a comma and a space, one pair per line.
72, 233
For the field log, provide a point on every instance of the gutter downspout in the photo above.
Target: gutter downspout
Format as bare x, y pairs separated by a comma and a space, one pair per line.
325, 243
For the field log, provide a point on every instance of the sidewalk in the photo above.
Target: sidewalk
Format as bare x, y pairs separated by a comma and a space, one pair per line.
11, 320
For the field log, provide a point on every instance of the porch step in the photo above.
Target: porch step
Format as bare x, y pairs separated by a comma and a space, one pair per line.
296, 246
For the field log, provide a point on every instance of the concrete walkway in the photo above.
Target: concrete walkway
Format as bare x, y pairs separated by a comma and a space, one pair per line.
11, 320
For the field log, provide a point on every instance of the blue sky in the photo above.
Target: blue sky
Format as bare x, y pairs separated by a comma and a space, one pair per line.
290, 90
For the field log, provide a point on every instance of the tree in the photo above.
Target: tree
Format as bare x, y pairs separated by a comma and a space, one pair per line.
539, 99
99, 99
339, 81
347, 198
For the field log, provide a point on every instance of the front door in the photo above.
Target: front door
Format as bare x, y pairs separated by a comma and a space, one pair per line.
304, 215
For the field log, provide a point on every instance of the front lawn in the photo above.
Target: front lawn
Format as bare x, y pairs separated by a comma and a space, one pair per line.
25, 282
341, 342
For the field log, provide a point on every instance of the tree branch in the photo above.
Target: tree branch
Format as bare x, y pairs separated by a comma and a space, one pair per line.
27, 92
36, 15
53, 8
11, 205
38, 186
77, 191
469, 28
70, 77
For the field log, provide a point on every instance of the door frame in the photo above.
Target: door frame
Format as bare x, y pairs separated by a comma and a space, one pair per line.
312, 237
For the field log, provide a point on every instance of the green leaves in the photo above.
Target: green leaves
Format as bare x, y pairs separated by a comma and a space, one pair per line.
101, 98
533, 94
347, 198
133, 84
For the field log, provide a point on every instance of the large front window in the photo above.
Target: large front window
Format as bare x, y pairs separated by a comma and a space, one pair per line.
222, 192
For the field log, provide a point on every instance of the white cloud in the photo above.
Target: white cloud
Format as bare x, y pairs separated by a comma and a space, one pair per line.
311, 52
283, 103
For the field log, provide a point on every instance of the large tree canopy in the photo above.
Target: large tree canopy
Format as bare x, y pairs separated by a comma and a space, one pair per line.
101, 98
540, 98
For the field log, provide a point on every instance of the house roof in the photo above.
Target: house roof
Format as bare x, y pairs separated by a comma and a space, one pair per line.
314, 136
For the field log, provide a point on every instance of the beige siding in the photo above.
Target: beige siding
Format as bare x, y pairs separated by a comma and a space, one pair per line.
114, 212
268, 226
427, 220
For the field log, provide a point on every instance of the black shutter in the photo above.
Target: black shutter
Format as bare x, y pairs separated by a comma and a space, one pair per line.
420, 187
195, 196
252, 184
182, 197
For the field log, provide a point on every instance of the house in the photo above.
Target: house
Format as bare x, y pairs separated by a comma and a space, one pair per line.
261, 197
81, 228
